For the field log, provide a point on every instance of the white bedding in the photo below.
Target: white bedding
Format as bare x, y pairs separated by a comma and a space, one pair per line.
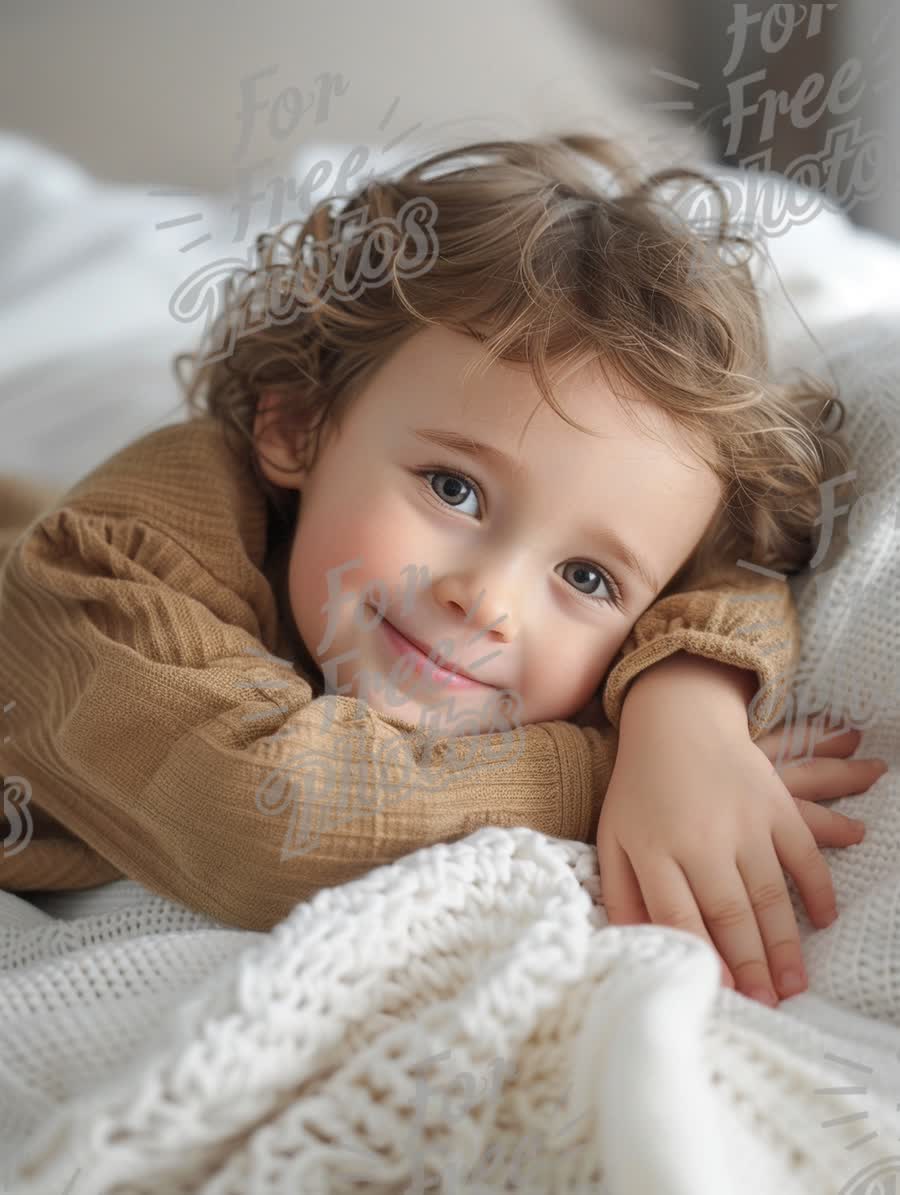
142, 1044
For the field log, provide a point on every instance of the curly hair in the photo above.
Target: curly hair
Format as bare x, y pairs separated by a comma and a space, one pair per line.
544, 264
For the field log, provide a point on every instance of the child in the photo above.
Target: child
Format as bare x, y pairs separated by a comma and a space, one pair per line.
212, 639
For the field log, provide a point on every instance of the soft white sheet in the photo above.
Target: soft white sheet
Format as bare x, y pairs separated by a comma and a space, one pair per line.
141, 1043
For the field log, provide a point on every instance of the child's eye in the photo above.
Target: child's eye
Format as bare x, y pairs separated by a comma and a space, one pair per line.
452, 488
581, 575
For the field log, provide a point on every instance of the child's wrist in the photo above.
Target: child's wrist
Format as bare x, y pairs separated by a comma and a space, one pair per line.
682, 679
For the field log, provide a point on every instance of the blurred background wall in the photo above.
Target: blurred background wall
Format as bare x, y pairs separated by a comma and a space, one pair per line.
142, 92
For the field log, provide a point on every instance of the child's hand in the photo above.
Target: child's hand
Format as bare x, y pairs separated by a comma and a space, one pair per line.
811, 772
697, 826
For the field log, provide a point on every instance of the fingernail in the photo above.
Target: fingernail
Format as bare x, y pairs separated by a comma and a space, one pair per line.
791, 982
764, 996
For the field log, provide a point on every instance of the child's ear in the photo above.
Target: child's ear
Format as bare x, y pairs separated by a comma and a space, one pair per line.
279, 443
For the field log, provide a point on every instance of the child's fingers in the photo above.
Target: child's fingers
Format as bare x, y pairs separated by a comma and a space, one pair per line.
791, 742
620, 890
623, 899
825, 779
826, 742
830, 828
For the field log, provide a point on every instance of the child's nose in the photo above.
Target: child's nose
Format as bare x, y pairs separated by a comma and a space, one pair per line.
488, 612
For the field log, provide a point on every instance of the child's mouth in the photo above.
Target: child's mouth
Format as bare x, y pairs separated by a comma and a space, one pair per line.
401, 646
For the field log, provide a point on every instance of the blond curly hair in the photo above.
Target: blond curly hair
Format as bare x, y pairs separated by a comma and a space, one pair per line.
543, 264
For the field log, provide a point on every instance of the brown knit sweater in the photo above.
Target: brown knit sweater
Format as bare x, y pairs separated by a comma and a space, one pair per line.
155, 729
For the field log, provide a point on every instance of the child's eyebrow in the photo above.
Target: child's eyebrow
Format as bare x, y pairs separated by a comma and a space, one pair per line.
626, 556
474, 448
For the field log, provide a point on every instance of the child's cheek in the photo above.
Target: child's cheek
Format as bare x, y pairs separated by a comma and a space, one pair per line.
338, 567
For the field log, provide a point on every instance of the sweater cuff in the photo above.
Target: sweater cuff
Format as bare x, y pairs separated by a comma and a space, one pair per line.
773, 672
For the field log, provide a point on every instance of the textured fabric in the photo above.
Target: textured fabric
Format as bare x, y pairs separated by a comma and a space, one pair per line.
465, 1016
166, 712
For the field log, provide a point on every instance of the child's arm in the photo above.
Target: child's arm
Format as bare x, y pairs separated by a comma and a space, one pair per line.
153, 724
702, 823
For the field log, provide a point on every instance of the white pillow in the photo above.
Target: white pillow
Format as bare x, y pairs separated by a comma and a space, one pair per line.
849, 607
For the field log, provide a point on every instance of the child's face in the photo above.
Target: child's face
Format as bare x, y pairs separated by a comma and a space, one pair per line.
501, 573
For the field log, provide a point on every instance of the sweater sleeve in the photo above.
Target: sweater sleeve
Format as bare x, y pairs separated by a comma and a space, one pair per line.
734, 615
155, 727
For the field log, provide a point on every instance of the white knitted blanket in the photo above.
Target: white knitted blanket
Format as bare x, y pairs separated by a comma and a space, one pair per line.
465, 1020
